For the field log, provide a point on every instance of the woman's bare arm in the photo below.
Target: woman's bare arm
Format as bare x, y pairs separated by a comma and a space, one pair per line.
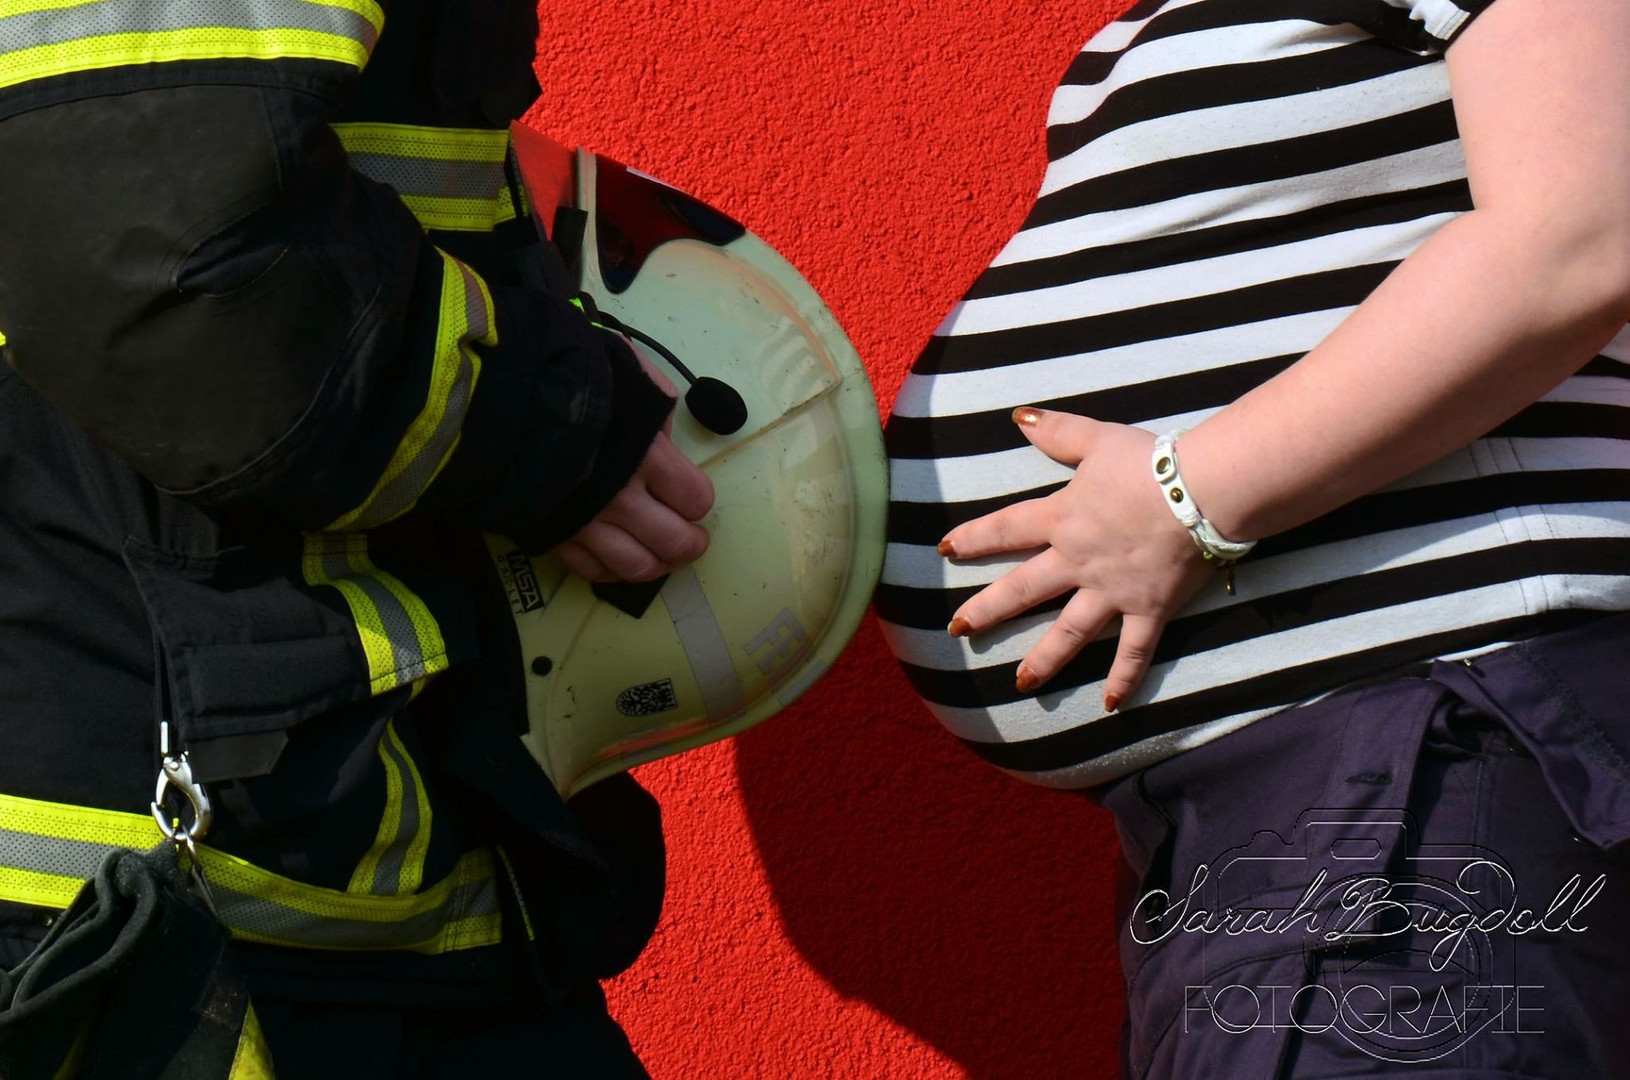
1494, 310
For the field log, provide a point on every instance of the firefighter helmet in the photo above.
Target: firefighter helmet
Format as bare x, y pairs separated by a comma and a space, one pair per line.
781, 417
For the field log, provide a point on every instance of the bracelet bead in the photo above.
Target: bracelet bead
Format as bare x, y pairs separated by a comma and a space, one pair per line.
1216, 548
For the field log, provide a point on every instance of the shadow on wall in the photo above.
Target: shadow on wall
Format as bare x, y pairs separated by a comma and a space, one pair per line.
972, 908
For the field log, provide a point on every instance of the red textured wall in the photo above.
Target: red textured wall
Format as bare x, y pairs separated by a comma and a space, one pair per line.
852, 894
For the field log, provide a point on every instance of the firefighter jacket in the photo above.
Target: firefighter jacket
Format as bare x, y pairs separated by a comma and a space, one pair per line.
270, 372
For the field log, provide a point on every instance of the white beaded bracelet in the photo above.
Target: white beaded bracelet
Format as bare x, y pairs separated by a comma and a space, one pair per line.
1216, 548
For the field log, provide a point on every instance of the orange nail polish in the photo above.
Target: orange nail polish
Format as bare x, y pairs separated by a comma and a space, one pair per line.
1111, 702
946, 548
1026, 680
1024, 414
959, 627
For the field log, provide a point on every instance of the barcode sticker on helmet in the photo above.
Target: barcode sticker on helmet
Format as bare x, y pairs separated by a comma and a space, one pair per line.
648, 699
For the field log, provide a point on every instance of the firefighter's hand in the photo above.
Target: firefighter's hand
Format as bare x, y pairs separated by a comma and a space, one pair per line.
650, 527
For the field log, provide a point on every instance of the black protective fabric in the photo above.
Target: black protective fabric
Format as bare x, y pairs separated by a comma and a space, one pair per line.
592, 870
218, 333
133, 980
194, 274
187, 384
519, 465
573, 1040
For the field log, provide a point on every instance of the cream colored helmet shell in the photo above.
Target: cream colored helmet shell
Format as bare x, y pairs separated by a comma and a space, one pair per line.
797, 528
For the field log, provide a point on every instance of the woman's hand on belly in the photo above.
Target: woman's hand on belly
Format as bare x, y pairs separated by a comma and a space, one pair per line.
1107, 536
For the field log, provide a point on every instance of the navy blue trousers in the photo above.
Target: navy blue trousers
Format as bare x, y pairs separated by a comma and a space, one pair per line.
1423, 876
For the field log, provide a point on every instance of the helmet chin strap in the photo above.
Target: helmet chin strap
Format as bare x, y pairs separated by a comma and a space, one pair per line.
716, 404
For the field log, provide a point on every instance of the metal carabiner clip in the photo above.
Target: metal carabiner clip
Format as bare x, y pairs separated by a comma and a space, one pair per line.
176, 771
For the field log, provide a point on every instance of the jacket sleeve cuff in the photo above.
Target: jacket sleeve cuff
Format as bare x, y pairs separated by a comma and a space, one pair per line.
638, 409
561, 417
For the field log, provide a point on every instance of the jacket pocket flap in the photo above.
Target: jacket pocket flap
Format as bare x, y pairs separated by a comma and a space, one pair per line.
244, 647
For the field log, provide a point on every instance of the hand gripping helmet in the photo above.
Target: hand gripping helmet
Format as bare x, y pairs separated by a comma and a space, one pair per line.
781, 417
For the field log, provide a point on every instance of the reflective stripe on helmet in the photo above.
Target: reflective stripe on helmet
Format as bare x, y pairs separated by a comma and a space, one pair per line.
395, 863
466, 316
451, 178
42, 38
698, 628
400, 638
49, 850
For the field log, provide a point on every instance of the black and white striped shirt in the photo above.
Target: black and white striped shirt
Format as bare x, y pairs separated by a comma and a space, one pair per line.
1227, 180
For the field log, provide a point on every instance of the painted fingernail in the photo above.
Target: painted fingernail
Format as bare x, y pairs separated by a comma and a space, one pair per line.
947, 548
1111, 702
1027, 680
1026, 415
959, 627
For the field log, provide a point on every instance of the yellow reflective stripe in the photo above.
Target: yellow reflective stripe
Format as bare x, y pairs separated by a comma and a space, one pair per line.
253, 1058
368, 9
426, 631
86, 824
125, 50
395, 862
28, 7
506, 205
461, 931
460, 215
383, 673
434, 143
484, 327
462, 908
44, 890
48, 850
471, 933
401, 640
377, 647
243, 877
411, 874
40, 40
76, 1053
229, 871
466, 315
515, 890
362, 879
452, 179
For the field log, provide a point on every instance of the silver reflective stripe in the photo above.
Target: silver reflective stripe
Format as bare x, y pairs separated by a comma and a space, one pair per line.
78, 859
399, 628
704, 644
101, 18
54, 855
388, 874
429, 176
407, 656
475, 306
268, 918
806, 678
404, 489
